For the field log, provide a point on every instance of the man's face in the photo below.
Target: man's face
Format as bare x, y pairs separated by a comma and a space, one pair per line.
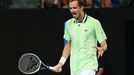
75, 9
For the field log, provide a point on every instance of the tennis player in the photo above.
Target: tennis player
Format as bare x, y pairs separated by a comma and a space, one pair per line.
82, 33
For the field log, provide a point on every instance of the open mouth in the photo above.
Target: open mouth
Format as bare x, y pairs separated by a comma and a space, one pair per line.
74, 13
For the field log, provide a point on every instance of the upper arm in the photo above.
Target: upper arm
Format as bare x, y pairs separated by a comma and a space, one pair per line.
103, 43
68, 43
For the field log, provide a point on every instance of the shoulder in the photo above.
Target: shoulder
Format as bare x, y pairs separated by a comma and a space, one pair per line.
93, 22
92, 19
70, 21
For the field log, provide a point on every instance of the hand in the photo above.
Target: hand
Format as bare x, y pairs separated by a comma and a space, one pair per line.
58, 68
100, 51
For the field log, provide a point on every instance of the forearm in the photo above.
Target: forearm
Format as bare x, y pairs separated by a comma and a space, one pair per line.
66, 50
104, 45
65, 53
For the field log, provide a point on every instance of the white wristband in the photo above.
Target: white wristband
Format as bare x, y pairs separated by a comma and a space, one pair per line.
62, 60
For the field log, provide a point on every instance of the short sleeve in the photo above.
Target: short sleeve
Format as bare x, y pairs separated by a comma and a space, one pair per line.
100, 34
66, 32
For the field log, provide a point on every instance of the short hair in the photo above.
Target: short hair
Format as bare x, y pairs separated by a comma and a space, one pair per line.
80, 2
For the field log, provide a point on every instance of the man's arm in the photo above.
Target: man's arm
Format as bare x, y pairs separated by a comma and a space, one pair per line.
102, 48
66, 50
104, 45
65, 55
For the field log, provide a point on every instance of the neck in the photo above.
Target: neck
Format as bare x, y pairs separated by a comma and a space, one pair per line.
80, 19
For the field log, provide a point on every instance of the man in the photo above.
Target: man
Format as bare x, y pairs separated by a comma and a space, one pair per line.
82, 33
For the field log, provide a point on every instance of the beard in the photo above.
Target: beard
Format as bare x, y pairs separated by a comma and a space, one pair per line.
76, 16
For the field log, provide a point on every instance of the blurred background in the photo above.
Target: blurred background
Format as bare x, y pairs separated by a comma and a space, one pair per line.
64, 3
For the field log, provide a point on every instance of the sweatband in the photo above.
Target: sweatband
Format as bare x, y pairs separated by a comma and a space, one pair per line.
62, 60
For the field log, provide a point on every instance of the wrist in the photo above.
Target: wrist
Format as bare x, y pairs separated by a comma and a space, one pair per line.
101, 49
60, 64
62, 61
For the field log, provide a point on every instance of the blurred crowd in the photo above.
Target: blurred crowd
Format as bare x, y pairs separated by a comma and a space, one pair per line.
62, 3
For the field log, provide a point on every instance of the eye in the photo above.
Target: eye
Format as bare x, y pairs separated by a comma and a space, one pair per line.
75, 7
